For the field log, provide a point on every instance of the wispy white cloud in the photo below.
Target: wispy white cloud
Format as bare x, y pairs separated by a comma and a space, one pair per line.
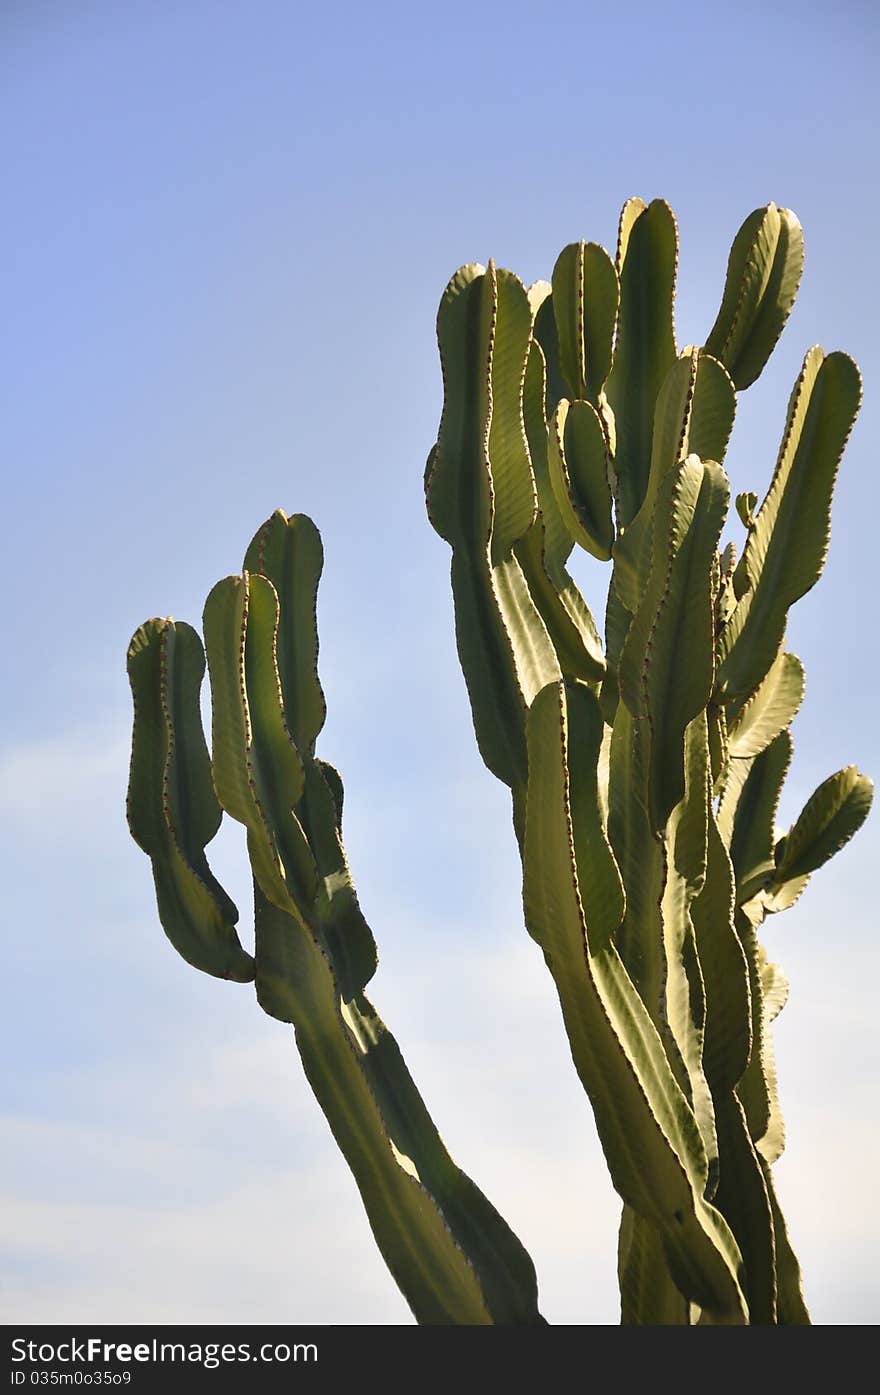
288, 1251
69, 781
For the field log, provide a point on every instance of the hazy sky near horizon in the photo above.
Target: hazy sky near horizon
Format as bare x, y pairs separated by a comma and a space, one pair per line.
226, 231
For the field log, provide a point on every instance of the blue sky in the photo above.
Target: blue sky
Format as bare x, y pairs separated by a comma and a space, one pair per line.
226, 231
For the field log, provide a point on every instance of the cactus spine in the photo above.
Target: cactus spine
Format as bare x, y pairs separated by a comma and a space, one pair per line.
645, 772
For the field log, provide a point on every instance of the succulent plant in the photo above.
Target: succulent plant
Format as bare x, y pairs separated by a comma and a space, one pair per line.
645, 770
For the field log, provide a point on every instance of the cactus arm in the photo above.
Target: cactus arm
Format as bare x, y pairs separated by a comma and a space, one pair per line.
776, 987
763, 274
736, 1046
457, 483
743, 1201
741, 1195
481, 457
831, 816
694, 415
344, 931
639, 937
295, 984
648, 1297
748, 809
648, 1132
656, 939
514, 498
505, 1271
172, 809
543, 551
630, 213
755, 1088
719, 752
713, 1033
732, 783
677, 669
546, 336
787, 543
667, 664
334, 784
258, 772
774, 991
758, 1093
684, 990
662, 878
585, 301
618, 619
648, 1293
727, 1035
578, 461
566, 615
288, 552
791, 1310
480, 487
534, 656
450, 1252
557, 540
489, 661
771, 708
645, 347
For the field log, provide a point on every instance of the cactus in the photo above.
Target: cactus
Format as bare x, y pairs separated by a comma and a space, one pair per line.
644, 771
452, 1255
645, 778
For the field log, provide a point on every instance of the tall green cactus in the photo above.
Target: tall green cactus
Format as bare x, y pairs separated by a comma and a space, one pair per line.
645, 773
454, 1258
645, 778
